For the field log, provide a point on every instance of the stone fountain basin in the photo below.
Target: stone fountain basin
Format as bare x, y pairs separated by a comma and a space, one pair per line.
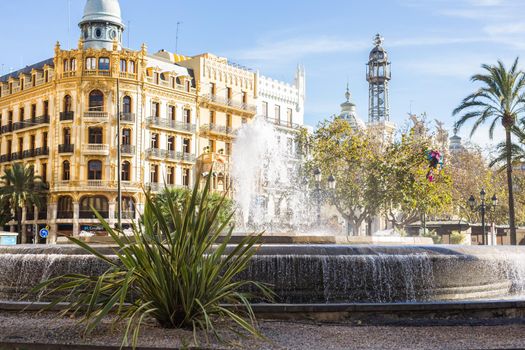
319, 273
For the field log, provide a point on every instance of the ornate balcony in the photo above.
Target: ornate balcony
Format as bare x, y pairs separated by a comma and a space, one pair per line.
170, 155
67, 116
161, 123
96, 117
97, 72
218, 129
284, 123
155, 153
230, 103
95, 149
6, 128
66, 148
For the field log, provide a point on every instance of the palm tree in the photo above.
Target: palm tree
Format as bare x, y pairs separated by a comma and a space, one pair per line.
500, 99
21, 187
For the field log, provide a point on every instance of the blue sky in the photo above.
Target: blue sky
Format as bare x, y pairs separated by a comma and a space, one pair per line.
434, 45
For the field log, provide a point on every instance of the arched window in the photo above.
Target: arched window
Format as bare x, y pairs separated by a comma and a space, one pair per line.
126, 171
66, 65
66, 171
96, 101
67, 103
126, 104
131, 67
65, 207
67, 136
94, 170
98, 203
123, 66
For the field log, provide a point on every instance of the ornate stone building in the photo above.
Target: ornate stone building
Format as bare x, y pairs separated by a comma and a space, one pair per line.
178, 116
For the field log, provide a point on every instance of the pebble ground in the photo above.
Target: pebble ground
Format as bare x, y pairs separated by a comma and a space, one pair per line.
47, 328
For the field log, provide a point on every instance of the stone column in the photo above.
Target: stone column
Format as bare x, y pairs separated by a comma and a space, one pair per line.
23, 227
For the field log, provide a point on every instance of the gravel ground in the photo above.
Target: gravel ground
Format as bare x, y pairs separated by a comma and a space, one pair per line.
46, 328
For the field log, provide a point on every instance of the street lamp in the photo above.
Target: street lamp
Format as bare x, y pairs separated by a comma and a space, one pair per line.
482, 208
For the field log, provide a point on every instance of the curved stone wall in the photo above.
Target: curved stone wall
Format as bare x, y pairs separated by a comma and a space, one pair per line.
319, 273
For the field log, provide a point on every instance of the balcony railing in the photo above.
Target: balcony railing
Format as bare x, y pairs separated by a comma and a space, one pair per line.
224, 101
155, 152
28, 153
127, 149
66, 148
64, 116
284, 123
96, 115
219, 129
41, 151
95, 72
95, 148
29, 123
6, 128
169, 154
127, 117
182, 156
4, 158
126, 75
171, 124
17, 156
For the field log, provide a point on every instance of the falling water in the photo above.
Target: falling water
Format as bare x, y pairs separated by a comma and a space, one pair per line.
268, 192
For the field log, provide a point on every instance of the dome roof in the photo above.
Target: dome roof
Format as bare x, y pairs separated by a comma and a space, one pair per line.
102, 11
378, 53
348, 112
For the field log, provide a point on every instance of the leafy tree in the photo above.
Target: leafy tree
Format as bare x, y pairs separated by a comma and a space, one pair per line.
336, 149
20, 187
408, 195
500, 99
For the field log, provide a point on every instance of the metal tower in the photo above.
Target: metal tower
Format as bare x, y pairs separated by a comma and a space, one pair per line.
378, 76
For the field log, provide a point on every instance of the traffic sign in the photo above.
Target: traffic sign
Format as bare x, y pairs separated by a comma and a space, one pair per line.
43, 233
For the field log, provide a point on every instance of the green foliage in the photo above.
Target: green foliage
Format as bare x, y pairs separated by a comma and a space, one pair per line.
172, 270
374, 177
180, 197
432, 234
457, 237
20, 187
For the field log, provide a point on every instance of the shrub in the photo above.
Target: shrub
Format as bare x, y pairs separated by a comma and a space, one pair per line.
432, 234
172, 270
457, 237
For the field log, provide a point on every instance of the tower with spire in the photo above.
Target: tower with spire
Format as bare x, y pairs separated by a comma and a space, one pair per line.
378, 76
101, 24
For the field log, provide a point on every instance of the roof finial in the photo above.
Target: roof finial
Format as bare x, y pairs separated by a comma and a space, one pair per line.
378, 40
347, 94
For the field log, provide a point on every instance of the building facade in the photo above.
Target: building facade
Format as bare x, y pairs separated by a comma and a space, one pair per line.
178, 117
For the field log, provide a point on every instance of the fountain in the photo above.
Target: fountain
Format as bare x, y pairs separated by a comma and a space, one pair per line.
269, 191
319, 273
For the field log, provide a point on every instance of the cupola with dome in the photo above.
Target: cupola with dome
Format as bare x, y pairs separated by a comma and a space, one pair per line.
101, 24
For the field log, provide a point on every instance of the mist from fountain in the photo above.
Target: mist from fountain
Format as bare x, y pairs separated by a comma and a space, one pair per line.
269, 192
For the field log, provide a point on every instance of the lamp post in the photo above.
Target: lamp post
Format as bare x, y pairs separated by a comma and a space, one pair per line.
482, 208
317, 176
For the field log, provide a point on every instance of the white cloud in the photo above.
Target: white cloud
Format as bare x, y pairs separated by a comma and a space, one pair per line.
486, 2
509, 28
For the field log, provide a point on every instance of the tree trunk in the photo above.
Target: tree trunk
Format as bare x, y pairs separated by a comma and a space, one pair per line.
19, 224
508, 141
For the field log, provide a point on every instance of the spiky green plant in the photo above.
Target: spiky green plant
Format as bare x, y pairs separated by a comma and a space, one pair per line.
173, 271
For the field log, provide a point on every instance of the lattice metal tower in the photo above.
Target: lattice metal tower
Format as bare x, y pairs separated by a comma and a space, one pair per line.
378, 76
